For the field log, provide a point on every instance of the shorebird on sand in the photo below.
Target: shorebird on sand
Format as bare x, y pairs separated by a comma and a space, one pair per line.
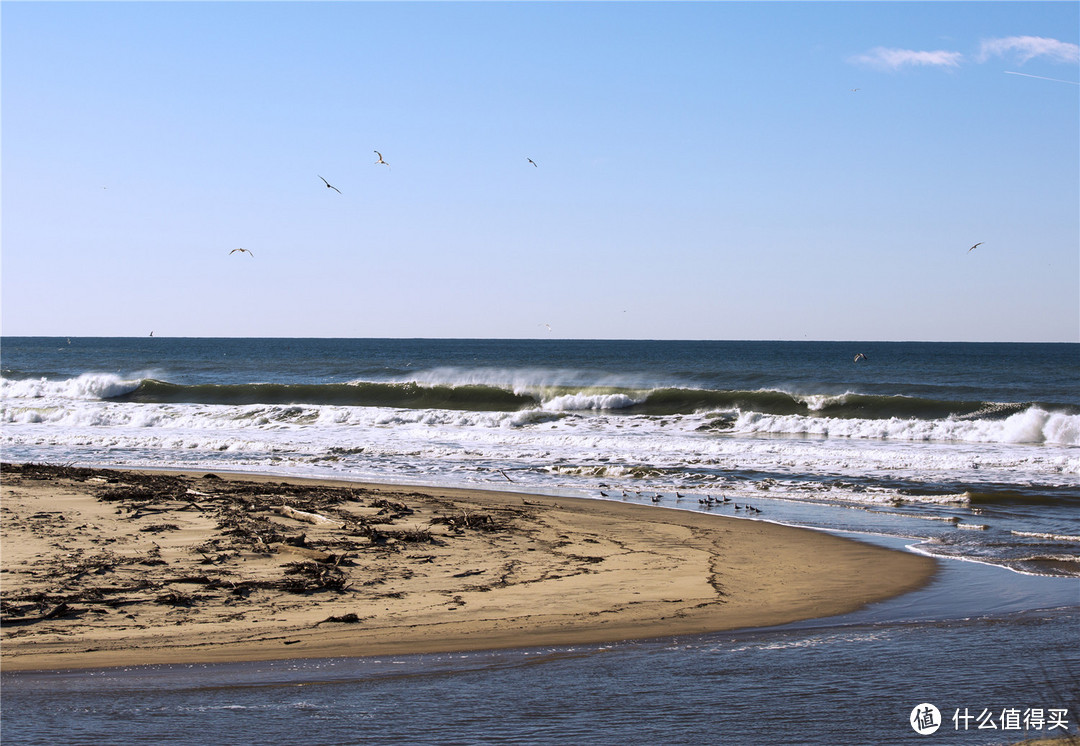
330, 186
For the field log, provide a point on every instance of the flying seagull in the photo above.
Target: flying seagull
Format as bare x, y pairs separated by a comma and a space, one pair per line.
245, 251
980, 243
330, 186
380, 159
859, 357
530, 160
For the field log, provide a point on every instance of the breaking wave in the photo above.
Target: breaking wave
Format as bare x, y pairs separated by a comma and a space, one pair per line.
766, 412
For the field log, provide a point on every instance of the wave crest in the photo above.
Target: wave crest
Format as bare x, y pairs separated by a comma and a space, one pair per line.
86, 386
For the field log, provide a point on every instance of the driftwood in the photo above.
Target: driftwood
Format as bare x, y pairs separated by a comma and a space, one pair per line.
343, 619
59, 611
303, 515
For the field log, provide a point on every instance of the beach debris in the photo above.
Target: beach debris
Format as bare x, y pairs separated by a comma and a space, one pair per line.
11, 615
350, 535
175, 598
309, 577
479, 521
301, 515
351, 618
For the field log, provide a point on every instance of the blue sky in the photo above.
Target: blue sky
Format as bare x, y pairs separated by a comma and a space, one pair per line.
712, 170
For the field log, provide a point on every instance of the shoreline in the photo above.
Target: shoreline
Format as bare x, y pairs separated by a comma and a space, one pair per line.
114, 567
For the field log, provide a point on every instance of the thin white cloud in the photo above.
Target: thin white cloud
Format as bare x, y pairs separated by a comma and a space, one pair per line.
1040, 77
894, 59
1025, 48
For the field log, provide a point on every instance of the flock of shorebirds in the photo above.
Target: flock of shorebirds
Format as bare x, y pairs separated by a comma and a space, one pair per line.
707, 502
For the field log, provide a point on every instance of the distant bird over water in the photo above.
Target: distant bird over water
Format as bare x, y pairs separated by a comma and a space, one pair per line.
859, 357
380, 161
980, 243
330, 186
244, 251
530, 160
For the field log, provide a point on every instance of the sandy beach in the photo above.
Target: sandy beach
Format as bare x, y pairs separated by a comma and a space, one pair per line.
110, 568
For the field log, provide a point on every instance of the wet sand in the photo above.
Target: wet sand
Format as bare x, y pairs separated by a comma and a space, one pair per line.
113, 568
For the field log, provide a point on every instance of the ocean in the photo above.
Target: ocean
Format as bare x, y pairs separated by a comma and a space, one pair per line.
966, 452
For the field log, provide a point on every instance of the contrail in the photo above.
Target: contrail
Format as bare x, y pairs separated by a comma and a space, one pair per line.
1056, 80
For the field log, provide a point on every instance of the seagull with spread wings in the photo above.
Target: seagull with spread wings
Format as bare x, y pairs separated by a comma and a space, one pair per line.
980, 243
244, 251
530, 160
330, 186
380, 161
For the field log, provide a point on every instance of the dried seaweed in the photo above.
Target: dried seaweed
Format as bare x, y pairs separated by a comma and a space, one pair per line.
475, 521
248, 517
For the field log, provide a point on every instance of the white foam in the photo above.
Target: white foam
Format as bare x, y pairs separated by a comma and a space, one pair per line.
818, 402
584, 401
1033, 425
527, 381
544, 442
1052, 537
86, 386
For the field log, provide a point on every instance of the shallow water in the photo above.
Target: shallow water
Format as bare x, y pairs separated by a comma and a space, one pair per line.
851, 680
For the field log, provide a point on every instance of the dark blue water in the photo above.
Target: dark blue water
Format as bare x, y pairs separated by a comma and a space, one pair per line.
996, 372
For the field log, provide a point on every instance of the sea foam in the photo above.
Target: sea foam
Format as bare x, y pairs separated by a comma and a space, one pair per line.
1033, 425
85, 386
